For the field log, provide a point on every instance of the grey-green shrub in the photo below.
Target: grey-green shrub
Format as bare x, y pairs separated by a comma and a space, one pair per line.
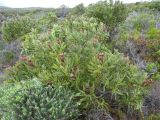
8, 92
45, 103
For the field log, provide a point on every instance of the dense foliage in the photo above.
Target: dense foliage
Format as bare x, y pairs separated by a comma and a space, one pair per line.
46, 22
77, 10
45, 102
76, 57
15, 28
8, 92
94, 62
110, 13
155, 4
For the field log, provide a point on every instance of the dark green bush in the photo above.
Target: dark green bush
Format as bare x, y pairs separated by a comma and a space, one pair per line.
155, 4
110, 13
77, 10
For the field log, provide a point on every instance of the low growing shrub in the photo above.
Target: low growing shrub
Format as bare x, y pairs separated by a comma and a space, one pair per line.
45, 103
73, 54
8, 91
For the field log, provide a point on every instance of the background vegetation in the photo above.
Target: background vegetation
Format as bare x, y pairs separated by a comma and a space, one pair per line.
97, 62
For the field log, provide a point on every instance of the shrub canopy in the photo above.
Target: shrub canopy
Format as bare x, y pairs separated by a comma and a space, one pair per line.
74, 54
